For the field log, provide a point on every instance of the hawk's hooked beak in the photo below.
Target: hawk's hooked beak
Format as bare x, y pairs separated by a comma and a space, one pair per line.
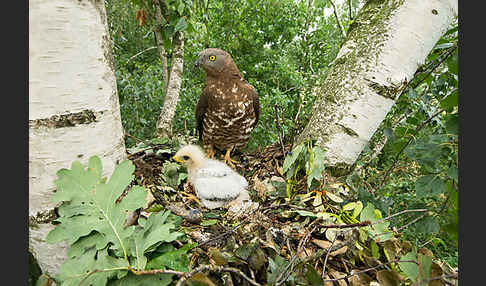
197, 63
177, 159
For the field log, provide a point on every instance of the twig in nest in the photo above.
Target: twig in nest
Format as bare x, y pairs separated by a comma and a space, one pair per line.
229, 231
187, 275
280, 130
413, 221
399, 213
327, 256
363, 223
369, 269
300, 248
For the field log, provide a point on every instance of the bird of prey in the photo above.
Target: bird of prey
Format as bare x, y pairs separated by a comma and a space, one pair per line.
215, 183
228, 108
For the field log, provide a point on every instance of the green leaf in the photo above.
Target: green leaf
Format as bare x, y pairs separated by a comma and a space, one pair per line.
428, 225
389, 134
425, 266
450, 101
209, 222
452, 124
426, 150
292, 157
452, 63
452, 172
349, 206
85, 243
143, 280
73, 271
313, 277
306, 213
275, 268
317, 166
429, 185
375, 251
410, 269
176, 259
357, 209
181, 25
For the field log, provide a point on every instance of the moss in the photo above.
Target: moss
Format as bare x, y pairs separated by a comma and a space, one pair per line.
390, 92
368, 33
47, 216
65, 120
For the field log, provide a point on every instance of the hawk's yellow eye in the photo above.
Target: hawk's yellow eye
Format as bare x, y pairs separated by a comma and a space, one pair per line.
212, 58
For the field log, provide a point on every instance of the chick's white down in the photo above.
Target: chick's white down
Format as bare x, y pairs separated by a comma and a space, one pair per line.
216, 184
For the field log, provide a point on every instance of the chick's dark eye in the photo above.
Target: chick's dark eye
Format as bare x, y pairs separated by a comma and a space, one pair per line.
212, 58
185, 157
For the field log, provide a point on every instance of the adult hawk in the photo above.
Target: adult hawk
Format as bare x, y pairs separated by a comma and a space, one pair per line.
228, 108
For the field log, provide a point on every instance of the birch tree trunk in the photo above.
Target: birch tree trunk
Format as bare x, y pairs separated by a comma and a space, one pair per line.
74, 111
384, 47
164, 123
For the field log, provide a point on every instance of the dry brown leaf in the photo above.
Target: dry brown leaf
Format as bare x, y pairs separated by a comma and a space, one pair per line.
336, 274
387, 278
201, 277
436, 271
392, 248
361, 279
321, 243
341, 250
426, 252
141, 16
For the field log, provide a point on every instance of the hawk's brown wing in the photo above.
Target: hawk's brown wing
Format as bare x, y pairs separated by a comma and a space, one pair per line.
201, 107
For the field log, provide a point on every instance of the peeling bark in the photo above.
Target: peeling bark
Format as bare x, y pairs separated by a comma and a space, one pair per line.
164, 124
385, 45
74, 111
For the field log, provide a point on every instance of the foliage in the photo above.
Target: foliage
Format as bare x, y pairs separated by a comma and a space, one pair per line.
281, 48
308, 158
101, 247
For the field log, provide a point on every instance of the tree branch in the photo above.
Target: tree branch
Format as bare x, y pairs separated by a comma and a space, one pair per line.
341, 28
187, 275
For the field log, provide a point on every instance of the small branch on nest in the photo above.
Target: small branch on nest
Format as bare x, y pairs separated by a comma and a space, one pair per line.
187, 275
398, 213
412, 222
229, 231
369, 269
327, 256
159, 271
300, 248
359, 224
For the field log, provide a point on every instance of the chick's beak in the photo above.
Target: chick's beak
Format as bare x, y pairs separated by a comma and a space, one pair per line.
177, 159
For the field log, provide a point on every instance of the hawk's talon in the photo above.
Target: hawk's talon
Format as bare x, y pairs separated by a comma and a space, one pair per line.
228, 160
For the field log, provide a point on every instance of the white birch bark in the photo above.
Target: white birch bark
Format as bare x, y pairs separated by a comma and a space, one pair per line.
387, 43
74, 111
164, 123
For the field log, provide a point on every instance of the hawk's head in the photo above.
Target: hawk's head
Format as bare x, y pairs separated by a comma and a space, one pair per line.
215, 61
